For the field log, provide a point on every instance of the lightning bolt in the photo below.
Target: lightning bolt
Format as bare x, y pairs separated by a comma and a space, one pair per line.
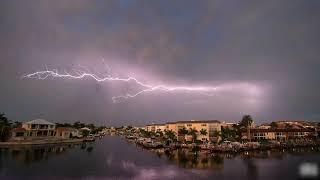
208, 91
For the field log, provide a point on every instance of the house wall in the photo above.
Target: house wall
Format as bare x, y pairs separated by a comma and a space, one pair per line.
63, 134
172, 127
209, 127
14, 136
39, 131
150, 128
198, 127
212, 128
161, 128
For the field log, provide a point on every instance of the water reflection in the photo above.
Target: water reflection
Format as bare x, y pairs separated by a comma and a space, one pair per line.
193, 160
112, 157
28, 155
202, 160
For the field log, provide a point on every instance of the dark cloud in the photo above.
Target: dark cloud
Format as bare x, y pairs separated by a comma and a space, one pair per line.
272, 44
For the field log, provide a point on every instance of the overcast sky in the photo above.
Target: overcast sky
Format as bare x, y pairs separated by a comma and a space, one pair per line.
271, 45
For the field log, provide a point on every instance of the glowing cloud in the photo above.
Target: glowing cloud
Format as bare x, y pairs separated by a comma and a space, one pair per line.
203, 90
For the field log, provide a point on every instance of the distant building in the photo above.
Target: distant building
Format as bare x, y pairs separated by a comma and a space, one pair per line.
150, 128
264, 126
140, 127
277, 133
160, 127
228, 125
209, 129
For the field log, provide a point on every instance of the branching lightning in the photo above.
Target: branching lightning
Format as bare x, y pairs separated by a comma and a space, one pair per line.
204, 90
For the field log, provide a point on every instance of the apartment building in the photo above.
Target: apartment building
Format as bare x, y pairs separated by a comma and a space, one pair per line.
278, 133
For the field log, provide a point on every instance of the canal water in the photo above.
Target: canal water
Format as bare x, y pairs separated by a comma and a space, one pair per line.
112, 157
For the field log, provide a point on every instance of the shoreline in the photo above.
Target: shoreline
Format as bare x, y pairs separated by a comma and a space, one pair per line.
39, 142
218, 149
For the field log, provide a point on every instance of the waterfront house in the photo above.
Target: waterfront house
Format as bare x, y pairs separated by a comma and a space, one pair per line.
18, 134
39, 129
64, 132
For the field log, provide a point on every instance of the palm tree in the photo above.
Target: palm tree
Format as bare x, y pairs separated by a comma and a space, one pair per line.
228, 134
247, 122
183, 131
273, 125
193, 133
159, 133
5, 126
170, 134
203, 132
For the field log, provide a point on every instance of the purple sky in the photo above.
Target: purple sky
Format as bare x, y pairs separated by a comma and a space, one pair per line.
272, 45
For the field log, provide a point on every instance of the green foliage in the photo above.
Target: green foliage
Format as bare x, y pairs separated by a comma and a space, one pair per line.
5, 127
78, 125
91, 126
170, 135
229, 134
145, 133
216, 133
159, 133
85, 133
274, 125
183, 131
193, 133
246, 121
16, 124
203, 132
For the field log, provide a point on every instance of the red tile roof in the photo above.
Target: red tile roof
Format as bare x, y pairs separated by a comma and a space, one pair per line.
19, 129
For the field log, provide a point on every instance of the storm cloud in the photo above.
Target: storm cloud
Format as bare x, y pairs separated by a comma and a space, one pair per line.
273, 45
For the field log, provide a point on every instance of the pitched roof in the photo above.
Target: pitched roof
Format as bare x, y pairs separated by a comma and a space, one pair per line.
19, 129
39, 121
86, 129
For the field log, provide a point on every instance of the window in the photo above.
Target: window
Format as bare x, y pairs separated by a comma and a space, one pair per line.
203, 124
189, 125
30, 134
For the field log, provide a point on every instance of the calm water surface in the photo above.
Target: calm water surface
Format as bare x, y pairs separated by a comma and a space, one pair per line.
114, 158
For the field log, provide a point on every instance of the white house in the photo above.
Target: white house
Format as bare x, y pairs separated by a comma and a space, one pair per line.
39, 128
